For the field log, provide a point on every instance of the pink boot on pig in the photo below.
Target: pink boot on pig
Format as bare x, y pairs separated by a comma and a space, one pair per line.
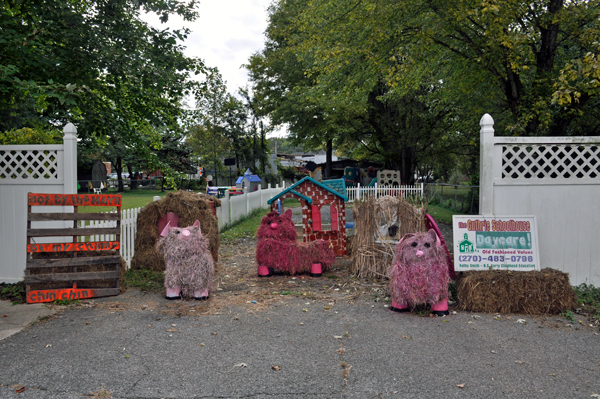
173, 293
316, 270
201, 295
263, 271
440, 308
399, 306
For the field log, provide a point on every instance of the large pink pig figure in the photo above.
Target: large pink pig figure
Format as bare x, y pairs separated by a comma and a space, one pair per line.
419, 274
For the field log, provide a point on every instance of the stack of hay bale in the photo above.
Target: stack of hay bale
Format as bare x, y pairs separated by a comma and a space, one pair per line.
189, 207
379, 224
535, 292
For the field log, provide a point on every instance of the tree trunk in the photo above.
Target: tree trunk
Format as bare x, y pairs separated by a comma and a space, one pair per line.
328, 160
263, 152
119, 169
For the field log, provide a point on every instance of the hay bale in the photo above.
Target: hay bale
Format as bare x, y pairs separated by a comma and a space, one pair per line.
537, 292
379, 223
189, 206
105, 283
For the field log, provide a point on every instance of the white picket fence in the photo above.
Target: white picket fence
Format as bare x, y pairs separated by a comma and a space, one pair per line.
231, 210
128, 230
360, 193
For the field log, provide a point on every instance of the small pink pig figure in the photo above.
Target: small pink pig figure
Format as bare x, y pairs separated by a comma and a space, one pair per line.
189, 264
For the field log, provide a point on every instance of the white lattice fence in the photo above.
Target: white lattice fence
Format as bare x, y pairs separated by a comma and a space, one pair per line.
557, 179
28, 163
539, 161
48, 169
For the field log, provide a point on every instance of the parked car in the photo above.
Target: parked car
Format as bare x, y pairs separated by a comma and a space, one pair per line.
114, 175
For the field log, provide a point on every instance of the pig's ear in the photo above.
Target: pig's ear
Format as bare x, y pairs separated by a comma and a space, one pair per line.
166, 230
432, 233
288, 214
197, 224
404, 237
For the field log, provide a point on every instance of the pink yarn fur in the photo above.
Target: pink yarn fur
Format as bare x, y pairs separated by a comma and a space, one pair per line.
419, 273
189, 264
277, 247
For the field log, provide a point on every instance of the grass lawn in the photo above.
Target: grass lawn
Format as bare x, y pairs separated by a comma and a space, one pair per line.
246, 227
441, 215
130, 199
291, 203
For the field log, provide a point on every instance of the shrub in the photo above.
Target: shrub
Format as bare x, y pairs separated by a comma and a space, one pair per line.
28, 135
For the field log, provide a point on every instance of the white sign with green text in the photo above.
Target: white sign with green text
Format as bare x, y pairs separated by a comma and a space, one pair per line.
495, 243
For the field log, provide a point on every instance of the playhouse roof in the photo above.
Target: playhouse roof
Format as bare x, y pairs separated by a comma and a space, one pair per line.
251, 178
335, 186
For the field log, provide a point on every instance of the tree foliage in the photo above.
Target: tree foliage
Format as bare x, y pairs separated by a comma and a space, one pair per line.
406, 82
99, 65
228, 127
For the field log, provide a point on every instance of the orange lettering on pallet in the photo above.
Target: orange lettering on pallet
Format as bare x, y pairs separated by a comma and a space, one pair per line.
74, 246
73, 199
53, 295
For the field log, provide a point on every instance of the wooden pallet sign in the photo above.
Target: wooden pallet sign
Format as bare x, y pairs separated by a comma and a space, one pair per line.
49, 269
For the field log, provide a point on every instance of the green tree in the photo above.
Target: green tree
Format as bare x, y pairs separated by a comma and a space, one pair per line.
97, 64
256, 131
406, 82
282, 87
207, 135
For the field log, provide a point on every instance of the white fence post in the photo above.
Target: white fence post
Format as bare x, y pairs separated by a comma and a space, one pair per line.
70, 166
486, 165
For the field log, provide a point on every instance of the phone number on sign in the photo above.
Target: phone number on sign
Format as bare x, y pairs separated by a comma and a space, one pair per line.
495, 258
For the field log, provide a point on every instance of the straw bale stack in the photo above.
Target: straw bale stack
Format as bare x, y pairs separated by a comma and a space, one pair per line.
536, 292
379, 223
189, 207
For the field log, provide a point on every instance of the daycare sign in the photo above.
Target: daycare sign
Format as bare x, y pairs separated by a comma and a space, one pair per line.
495, 242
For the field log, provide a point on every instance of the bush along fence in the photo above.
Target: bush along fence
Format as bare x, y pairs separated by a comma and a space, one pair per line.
360, 192
457, 197
231, 210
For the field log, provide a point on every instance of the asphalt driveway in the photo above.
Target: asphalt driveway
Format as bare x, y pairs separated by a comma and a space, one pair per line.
141, 346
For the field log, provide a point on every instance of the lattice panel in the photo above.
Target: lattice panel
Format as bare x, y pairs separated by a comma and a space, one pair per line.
550, 161
27, 164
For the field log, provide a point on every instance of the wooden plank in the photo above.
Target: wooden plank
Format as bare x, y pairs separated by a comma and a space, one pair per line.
73, 216
59, 262
39, 199
74, 246
45, 278
85, 231
69, 293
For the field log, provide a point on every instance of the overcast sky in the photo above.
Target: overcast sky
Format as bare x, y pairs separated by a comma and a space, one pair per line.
227, 33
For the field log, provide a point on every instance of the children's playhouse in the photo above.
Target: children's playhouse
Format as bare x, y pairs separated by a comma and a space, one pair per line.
323, 210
